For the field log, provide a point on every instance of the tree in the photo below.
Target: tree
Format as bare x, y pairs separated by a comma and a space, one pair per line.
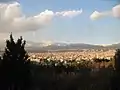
15, 66
115, 81
117, 61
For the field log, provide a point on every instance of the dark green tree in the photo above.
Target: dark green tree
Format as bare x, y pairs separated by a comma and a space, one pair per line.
117, 61
15, 66
115, 81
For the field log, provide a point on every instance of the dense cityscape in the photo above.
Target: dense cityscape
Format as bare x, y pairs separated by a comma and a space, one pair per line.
85, 54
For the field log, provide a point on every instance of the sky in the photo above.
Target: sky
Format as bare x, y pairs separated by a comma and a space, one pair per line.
75, 21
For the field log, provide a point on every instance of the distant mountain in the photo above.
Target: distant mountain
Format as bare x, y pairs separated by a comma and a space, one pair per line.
114, 46
73, 46
59, 46
43, 47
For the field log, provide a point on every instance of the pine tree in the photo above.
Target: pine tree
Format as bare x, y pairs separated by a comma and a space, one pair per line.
15, 66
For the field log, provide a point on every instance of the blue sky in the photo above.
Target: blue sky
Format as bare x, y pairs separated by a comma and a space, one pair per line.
78, 29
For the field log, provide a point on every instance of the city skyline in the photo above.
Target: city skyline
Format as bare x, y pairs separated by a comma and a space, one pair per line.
83, 21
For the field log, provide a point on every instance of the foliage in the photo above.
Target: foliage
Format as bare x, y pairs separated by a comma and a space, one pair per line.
15, 70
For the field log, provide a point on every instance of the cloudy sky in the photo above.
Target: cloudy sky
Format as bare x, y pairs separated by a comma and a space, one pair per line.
83, 21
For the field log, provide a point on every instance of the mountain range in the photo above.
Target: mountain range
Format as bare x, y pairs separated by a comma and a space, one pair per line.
43, 47
36, 47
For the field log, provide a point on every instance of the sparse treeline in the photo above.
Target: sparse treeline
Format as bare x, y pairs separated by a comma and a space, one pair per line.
17, 72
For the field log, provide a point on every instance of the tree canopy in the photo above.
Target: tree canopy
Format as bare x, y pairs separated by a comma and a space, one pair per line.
15, 66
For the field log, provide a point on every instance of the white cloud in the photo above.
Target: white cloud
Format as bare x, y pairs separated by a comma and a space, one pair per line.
70, 14
96, 15
13, 20
115, 12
